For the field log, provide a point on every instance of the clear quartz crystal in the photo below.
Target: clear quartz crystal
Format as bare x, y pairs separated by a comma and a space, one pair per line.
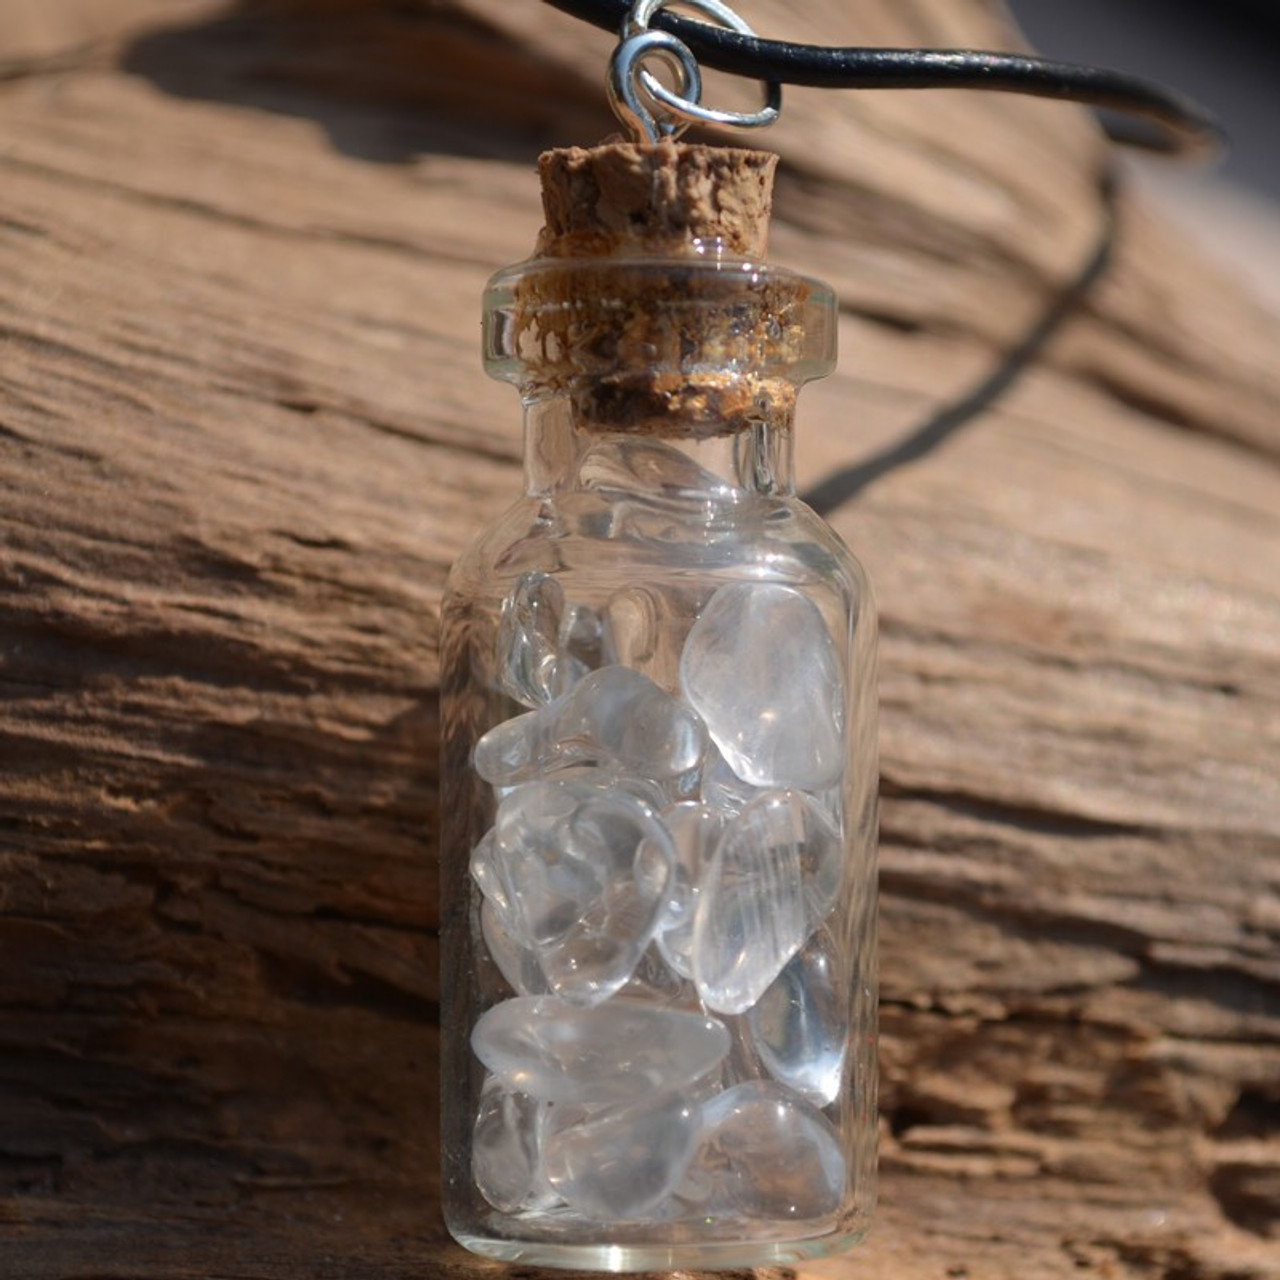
620, 1162
580, 645
484, 871
531, 666
633, 723
624, 466
657, 982
585, 876
643, 628
761, 669
524, 747
613, 716
505, 1160
768, 1154
658, 812
800, 1026
613, 1053
517, 964
773, 879
722, 789
695, 831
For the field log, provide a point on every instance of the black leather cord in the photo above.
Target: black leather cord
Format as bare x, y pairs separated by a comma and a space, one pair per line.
1134, 111
1138, 112
836, 489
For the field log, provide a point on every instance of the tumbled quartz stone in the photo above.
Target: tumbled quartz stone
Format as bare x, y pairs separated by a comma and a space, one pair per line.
760, 668
644, 628
522, 748
580, 646
530, 908
636, 724
722, 789
774, 878
607, 777
585, 874
800, 1026
518, 965
604, 1054
611, 717
619, 1162
612, 778
484, 872
766, 1154
742, 1062
604, 778
656, 982
505, 1159
628, 463
529, 640
694, 830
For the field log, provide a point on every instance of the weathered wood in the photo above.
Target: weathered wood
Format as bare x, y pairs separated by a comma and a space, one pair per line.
243, 433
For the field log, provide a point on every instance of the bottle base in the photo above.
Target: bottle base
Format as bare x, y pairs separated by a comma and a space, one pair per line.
681, 1255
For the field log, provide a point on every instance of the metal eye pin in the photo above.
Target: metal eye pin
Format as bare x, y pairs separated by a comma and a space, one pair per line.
647, 107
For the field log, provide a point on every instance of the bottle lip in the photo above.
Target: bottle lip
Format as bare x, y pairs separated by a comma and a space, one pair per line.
660, 337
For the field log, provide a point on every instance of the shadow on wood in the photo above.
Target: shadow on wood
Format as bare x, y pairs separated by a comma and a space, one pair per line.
243, 433
385, 83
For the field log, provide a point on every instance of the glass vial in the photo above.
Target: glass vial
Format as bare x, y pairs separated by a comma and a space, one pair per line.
659, 789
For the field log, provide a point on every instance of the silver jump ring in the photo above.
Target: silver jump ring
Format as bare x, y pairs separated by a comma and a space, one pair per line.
683, 106
642, 13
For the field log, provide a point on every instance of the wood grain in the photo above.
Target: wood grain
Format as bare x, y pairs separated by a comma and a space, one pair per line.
243, 433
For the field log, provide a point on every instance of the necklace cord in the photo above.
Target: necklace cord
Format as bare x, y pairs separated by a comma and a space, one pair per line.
840, 486
1134, 111
1138, 112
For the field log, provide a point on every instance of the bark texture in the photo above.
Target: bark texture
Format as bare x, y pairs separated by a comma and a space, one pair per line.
243, 432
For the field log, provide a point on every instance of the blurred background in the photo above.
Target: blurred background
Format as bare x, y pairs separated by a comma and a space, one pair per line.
1225, 53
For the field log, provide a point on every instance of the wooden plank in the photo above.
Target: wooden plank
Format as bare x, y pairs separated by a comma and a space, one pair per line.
243, 432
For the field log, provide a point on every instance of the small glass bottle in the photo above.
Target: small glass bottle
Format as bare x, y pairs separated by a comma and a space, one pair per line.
659, 772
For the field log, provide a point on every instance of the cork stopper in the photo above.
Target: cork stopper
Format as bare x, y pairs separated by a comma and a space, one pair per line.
648, 302
661, 199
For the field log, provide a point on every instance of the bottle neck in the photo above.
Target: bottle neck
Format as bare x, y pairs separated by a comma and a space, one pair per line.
566, 453
658, 377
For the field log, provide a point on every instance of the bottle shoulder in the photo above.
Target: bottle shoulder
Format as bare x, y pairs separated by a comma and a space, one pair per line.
596, 539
